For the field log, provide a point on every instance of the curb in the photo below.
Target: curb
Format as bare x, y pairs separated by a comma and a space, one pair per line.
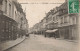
13, 45
74, 41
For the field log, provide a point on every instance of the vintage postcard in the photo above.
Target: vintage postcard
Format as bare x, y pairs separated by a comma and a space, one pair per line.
39, 25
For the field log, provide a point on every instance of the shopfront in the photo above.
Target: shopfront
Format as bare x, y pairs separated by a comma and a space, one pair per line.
8, 28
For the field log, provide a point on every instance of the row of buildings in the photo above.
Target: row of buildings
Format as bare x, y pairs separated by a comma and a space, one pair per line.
13, 22
60, 22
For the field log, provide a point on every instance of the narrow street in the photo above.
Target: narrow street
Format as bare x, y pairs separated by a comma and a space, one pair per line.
40, 43
52, 25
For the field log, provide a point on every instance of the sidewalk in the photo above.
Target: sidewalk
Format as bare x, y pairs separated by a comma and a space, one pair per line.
60, 45
75, 41
9, 44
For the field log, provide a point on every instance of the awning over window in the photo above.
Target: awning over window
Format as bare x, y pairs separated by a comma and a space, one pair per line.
50, 31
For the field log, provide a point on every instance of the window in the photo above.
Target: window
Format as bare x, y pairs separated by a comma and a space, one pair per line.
9, 24
63, 11
6, 26
9, 9
53, 18
3, 26
15, 14
65, 19
74, 20
5, 6
61, 20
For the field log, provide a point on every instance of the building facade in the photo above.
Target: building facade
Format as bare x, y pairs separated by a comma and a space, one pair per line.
59, 19
10, 22
68, 23
52, 22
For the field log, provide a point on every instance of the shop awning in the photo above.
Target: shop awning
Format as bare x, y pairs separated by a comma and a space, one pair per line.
50, 31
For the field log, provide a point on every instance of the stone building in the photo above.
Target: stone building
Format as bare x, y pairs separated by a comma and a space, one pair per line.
8, 26
52, 22
42, 26
10, 19
67, 23
58, 21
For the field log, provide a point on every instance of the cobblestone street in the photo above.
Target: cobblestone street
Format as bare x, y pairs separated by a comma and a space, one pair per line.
40, 43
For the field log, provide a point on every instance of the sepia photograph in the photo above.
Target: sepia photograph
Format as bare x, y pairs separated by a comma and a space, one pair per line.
39, 25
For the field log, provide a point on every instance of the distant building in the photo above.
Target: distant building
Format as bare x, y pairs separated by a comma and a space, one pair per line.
42, 26
52, 19
52, 22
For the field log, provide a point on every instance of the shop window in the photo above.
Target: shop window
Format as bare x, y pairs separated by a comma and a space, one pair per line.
7, 26
3, 26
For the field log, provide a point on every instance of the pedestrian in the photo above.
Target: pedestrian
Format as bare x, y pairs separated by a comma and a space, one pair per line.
45, 35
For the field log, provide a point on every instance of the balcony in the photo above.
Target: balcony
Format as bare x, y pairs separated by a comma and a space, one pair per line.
51, 22
66, 24
52, 26
63, 24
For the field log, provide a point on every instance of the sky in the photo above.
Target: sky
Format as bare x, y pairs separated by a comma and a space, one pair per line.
36, 9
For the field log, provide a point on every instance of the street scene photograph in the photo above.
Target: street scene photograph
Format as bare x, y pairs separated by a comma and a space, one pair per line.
39, 25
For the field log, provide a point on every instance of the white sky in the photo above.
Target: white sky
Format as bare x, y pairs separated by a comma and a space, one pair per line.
36, 12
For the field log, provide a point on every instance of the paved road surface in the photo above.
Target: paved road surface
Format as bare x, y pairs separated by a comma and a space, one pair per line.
40, 43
